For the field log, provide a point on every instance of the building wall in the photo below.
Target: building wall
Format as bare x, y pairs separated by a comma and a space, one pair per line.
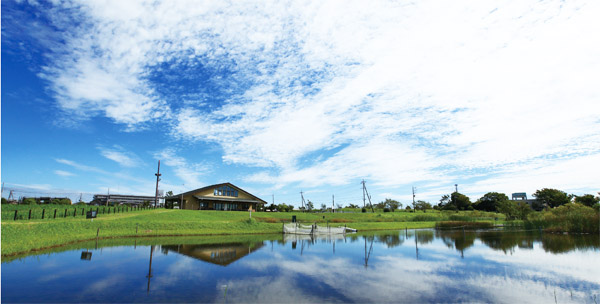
192, 203
211, 193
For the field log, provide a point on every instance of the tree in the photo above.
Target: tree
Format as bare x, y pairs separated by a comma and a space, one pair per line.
169, 193
285, 208
353, 206
444, 201
4, 201
587, 200
323, 207
61, 201
490, 201
514, 209
461, 201
508, 208
310, 206
422, 205
523, 210
380, 205
551, 197
272, 207
29, 201
392, 204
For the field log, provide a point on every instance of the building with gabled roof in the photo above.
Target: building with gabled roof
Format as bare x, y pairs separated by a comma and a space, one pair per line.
225, 196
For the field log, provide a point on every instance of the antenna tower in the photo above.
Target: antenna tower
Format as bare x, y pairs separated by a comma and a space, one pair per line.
157, 179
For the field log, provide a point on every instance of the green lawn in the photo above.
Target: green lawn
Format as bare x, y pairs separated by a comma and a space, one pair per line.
27, 235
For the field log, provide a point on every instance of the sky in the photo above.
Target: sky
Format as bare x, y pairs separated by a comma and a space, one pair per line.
283, 97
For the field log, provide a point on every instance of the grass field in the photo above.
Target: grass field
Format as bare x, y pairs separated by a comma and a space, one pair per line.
26, 235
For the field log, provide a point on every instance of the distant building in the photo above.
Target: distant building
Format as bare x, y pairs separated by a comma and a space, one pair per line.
121, 199
519, 196
224, 196
522, 197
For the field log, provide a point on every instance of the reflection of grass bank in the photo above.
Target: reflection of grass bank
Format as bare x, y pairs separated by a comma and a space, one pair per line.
22, 236
148, 241
463, 225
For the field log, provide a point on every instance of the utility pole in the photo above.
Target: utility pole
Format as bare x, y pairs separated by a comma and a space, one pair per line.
157, 179
456, 187
364, 202
366, 193
273, 195
414, 189
332, 202
302, 195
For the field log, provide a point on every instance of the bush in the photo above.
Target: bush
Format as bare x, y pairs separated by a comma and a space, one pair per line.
4, 201
29, 201
363, 210
386, 209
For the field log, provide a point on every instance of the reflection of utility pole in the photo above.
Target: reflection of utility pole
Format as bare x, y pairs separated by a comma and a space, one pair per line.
150, 268
367, 255
416, 246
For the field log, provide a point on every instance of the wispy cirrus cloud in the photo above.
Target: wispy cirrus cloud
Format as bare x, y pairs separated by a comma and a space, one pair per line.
63, 173
79, 166
121, 156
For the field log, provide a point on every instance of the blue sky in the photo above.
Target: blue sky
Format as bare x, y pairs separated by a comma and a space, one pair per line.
282, 97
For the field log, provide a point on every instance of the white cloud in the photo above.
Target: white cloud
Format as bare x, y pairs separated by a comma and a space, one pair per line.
124, 158
63, 173
79, 166
398, 92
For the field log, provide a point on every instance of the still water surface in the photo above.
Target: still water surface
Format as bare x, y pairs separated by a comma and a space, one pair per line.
400, 266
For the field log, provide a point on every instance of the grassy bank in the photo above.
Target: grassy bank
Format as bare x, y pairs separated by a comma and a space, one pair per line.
572, 218
26, 235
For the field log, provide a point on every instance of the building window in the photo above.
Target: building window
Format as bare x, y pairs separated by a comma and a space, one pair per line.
225, 191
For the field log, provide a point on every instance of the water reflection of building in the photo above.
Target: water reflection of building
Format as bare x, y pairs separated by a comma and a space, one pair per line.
220, 254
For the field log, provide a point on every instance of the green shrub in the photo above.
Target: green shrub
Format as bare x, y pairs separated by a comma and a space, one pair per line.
570, 217
29, 201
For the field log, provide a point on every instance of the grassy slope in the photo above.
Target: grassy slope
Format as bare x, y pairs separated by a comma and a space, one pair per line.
24, 235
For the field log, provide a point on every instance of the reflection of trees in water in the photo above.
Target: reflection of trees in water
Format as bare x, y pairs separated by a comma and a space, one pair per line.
457, 239
508, 241
390, 240
424, 236
558, 243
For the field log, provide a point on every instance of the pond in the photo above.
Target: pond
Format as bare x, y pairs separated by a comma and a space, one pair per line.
398, 266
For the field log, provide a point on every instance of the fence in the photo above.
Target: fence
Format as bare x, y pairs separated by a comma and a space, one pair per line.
45, 212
